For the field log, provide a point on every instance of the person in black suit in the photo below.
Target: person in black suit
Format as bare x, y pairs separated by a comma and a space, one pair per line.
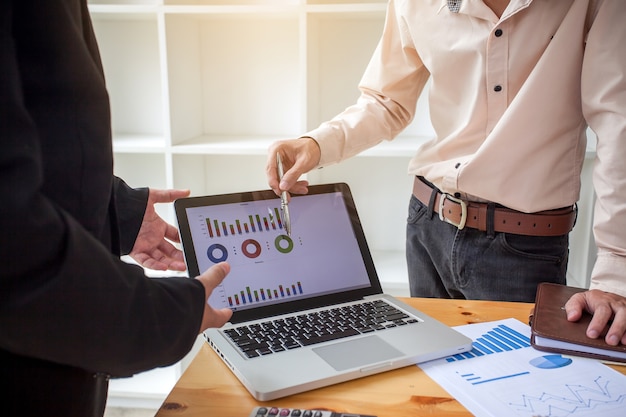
72, 314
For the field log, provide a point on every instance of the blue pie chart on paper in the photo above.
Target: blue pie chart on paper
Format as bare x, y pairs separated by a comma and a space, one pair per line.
550, 362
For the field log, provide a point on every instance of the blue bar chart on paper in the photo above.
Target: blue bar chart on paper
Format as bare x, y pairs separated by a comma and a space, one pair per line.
499, 339
528, 382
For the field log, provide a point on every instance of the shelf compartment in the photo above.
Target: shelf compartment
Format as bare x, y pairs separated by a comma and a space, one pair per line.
339, 46
138, 144
352, 3
123, 3
232, 2
240, 145
130, 54
403, 146
219, 174
233, 75
141, 170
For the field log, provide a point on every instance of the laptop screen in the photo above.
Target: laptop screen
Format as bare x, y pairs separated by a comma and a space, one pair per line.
326, 254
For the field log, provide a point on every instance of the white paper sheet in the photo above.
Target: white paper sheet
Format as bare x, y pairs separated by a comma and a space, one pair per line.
504, 376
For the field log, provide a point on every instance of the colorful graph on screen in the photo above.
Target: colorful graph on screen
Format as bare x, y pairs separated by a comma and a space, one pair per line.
255, 223
249, 295
267, 266
251, 237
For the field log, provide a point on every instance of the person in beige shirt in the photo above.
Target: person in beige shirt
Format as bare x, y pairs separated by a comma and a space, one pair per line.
514, 86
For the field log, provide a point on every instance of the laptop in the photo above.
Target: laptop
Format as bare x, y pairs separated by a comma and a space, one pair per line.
308, 308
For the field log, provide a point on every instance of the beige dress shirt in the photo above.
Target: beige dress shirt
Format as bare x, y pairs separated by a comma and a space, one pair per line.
510, 101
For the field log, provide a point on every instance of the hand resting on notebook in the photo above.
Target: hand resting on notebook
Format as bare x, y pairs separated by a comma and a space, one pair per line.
605, 307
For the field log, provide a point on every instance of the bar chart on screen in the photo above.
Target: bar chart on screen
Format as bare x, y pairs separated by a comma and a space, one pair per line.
254, 223
269, 266
253, 237
250, 295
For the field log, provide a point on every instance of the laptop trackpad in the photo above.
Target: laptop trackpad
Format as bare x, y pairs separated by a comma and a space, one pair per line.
357, 353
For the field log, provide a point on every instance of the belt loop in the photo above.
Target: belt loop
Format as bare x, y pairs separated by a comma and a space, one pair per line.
491, 209
431, 202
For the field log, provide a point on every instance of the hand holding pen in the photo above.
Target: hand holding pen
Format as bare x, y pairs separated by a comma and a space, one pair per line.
287, 161
284, 198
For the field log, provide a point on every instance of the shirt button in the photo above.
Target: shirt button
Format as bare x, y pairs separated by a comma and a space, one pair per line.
498, 33
497, 88
458, 164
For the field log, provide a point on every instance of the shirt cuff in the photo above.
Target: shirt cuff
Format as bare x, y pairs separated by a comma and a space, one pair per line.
609, 274
330, 141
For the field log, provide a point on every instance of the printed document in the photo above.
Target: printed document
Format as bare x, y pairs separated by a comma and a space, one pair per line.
503, 375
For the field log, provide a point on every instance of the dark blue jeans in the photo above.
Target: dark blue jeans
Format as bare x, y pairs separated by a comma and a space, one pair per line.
444, 262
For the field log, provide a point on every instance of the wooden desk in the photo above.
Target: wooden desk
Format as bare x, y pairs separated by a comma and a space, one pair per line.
208, 388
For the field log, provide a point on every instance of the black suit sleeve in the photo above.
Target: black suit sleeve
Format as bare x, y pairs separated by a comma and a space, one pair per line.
130, 205
65, 297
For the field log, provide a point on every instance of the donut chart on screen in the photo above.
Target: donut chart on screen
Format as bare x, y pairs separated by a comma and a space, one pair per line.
217, 253
245, 248
250, 248
280, 241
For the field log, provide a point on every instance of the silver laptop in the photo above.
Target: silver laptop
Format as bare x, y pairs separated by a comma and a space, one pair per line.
308, 308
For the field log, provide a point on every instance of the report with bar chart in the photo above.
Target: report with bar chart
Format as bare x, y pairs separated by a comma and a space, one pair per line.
269, 266
528, 382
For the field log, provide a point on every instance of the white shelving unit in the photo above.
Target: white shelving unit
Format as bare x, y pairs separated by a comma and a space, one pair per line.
200, 88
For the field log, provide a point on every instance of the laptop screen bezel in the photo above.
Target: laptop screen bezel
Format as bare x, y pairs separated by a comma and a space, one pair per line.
181, 206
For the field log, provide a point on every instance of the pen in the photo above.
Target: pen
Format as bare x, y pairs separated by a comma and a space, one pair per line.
284, 202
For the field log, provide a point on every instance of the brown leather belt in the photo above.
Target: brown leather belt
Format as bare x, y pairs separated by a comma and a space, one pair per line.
463, 214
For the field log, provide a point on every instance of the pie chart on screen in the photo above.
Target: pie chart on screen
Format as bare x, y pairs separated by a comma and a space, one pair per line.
550, 362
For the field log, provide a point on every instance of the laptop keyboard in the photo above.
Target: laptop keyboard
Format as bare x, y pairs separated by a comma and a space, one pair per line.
312, 328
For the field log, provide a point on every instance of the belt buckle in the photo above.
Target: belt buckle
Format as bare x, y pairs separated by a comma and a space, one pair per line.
461, 224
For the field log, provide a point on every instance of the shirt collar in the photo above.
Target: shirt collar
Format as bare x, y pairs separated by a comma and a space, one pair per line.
471, 7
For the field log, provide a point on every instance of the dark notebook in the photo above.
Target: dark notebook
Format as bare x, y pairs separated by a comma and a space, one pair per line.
552, 332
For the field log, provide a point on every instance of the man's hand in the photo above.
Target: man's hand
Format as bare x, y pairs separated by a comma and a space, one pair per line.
604, 306
298, 157
152, 248
211, 278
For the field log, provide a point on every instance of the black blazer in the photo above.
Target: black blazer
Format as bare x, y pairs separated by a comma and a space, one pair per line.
69, 308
